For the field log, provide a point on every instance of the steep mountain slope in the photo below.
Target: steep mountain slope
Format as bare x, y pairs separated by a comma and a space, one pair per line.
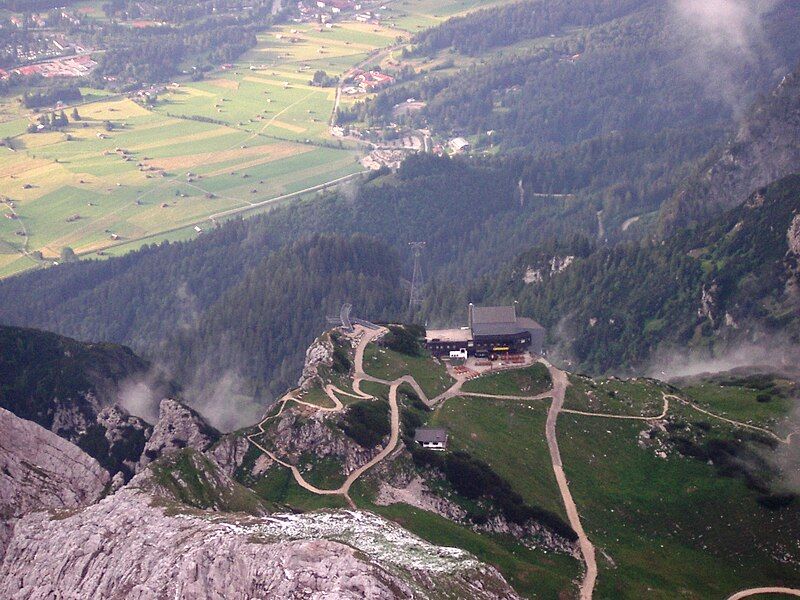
163, 300
734, 280
765, 148
181, 529
680, 492
41, 471
645, 88
60, 383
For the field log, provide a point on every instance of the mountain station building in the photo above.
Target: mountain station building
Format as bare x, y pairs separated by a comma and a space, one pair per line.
491, 330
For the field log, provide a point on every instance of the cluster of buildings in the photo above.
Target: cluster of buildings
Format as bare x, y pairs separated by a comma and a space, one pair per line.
359, 81
322, 11
490, 331
71, 66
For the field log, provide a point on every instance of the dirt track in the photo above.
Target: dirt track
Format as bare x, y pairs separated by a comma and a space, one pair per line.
560, 383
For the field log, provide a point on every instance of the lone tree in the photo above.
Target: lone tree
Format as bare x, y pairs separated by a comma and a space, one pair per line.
68, 254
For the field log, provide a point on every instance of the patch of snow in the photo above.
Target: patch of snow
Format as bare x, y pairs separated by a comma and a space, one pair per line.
383, 541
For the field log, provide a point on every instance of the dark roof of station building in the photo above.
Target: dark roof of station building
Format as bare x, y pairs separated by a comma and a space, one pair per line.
493, 314
428, 435
499, 321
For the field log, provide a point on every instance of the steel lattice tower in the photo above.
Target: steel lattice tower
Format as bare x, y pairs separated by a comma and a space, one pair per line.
415, 297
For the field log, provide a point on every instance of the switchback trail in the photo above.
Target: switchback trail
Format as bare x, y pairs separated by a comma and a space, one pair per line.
560, 382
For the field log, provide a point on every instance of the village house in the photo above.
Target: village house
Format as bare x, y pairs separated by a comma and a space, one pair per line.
459, 145
432, 438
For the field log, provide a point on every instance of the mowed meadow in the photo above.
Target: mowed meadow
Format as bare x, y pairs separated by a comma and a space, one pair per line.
88, 188
232, 143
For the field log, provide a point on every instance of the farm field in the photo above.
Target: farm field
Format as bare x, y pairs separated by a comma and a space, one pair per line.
268, 91
243, 136
87, 188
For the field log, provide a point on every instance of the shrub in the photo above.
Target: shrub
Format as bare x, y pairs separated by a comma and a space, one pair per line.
403, 339
367, 423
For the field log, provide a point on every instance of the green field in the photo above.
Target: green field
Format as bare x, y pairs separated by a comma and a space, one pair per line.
91, 189
389, 365
636, 397
667, 528
529, 381
509, 436
247, 134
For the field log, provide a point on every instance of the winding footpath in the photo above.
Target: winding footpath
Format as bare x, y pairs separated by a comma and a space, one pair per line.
764, 590
560, 382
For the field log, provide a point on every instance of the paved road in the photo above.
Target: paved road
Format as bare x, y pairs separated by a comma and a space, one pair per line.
560, 383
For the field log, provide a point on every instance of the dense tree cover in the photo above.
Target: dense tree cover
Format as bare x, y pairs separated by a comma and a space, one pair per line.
367, 422
156, 54
404, 339
469, 214
40, 371
51, 95
505, 25
763, 149
259, 328
626, 75
614, 306
617, 111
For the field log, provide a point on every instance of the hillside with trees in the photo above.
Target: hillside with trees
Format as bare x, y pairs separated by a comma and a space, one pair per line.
611, 86
469, 213
612, 308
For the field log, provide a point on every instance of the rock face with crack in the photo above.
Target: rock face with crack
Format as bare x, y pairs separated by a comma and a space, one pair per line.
296, 435
39, 470
178, 427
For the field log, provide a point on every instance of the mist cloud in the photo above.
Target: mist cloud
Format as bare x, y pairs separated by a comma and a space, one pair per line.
723, 40
772, 353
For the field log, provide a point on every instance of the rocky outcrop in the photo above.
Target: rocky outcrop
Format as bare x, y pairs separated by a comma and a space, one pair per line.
539, 272
125, 548
41, 471
532, 534
229, 453
178, 427
416, 493
296, 434
61, 383
319, 353
792, 259
764, 149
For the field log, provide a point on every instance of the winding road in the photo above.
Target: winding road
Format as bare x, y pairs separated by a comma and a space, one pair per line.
560, 382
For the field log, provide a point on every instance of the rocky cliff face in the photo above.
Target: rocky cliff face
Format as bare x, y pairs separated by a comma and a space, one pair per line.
41, 471
229, 453
178, 427
764, 149
319, 353
169, 533
61, 383
123, 547
296, 434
